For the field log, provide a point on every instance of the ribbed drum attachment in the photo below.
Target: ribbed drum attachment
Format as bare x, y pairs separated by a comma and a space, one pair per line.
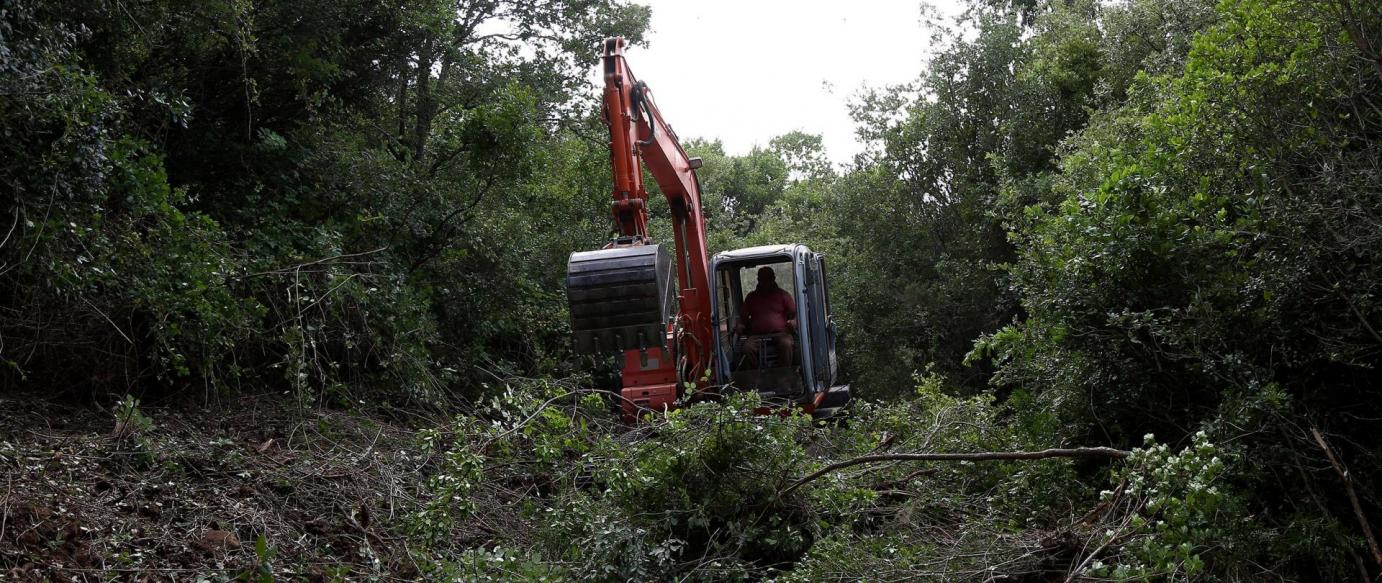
620, 298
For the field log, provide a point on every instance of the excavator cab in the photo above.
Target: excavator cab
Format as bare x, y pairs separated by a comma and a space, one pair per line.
808, 375
764, 363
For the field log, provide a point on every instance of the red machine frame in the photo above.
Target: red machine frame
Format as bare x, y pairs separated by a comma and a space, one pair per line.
640, 138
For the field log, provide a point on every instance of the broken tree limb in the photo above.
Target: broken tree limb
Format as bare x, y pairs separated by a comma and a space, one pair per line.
1352, 496
979, 456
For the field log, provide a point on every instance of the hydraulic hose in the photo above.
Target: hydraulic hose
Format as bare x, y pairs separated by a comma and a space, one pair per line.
640, 104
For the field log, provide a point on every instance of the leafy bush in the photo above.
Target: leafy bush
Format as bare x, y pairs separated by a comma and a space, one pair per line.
1178, 510
705, 492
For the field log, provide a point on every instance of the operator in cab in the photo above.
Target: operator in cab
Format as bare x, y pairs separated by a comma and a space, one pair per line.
769, 311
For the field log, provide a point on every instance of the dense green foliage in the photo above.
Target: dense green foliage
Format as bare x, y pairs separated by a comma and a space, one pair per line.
325, 196
707, 494
1210, 249
1152, 225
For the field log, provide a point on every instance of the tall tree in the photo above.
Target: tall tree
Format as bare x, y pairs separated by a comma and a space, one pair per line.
957, 157
315, 179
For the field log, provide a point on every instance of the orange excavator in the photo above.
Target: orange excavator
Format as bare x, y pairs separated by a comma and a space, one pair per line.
683, 335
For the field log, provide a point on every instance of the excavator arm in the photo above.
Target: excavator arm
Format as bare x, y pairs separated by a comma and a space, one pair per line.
618, 294
637, 130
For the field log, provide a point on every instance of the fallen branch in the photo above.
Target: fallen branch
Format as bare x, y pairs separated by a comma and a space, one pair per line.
903, 481
1078, 452
1352, 496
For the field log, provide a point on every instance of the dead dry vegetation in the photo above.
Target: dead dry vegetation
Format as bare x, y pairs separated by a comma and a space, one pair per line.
236, 491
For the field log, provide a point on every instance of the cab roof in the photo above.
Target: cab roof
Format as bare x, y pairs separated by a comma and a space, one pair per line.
757, 252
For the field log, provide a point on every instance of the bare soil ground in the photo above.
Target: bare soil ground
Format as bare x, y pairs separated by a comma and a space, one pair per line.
235, 492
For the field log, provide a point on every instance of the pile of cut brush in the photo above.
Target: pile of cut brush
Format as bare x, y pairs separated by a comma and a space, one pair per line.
540, 481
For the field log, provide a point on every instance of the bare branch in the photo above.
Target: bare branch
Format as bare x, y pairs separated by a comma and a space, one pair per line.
1078, 452
298, 267
1352, 496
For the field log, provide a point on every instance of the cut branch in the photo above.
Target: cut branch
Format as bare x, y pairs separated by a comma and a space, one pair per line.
1078, 452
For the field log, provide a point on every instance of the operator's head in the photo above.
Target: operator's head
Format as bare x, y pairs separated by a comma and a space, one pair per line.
766, 277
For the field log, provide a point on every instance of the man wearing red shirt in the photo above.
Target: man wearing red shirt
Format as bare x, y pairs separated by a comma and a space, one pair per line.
769, 311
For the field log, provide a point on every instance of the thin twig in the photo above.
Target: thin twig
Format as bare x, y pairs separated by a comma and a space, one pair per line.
298, 267
13, 224
112, 322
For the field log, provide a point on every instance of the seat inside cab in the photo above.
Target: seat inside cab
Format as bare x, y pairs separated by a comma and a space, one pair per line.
755, 363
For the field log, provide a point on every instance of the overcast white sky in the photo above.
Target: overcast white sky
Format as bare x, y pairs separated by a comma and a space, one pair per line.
745, 71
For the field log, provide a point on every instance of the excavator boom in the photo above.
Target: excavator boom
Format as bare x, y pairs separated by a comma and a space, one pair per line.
620, 294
